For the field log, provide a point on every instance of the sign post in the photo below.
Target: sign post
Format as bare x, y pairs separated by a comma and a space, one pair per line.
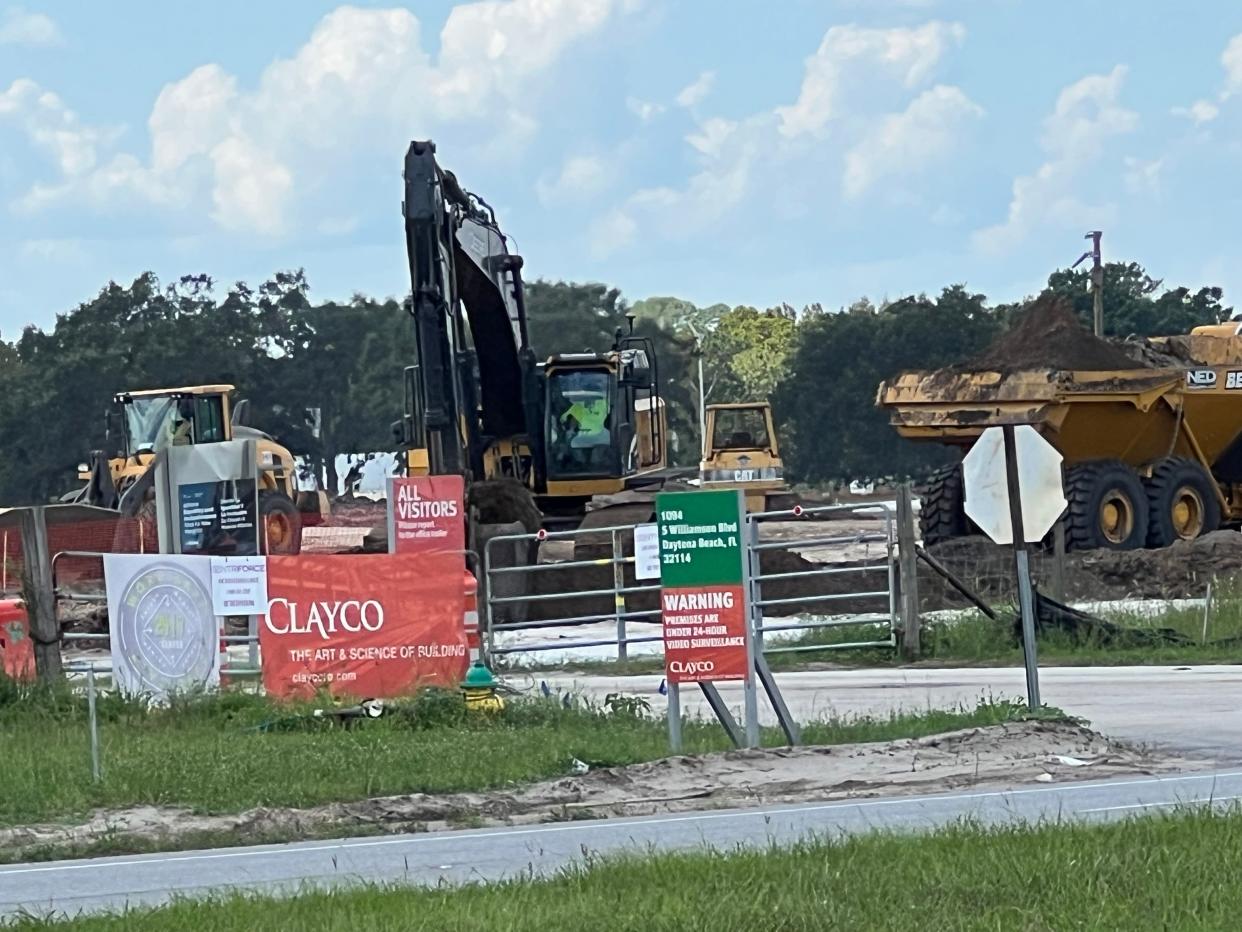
1012, 480
703, 576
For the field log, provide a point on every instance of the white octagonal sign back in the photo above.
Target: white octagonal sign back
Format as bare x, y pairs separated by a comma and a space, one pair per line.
1039, 484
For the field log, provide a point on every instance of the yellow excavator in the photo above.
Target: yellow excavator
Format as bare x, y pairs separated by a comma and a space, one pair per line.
153, 419
740, 452
538, 439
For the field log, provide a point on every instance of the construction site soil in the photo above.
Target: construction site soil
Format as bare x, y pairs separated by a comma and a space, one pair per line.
1016, 754
1048, 335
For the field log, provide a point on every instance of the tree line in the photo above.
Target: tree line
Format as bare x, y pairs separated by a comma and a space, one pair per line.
289, 354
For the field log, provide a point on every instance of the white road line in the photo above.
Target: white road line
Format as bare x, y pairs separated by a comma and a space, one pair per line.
1176, 802
595, 825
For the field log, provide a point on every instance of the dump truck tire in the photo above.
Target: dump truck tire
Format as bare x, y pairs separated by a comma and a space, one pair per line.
281, 524
1182, 502
1107, 507
941, 513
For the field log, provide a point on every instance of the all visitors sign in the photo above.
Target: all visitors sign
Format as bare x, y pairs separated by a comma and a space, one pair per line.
703, 578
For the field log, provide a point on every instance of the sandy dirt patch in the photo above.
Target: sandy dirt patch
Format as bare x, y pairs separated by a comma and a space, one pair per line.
1016, 754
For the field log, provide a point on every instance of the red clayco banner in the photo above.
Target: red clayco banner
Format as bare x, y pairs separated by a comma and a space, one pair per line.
426, 513
370, 627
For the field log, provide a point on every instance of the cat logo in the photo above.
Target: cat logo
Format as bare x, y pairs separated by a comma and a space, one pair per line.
1201, 378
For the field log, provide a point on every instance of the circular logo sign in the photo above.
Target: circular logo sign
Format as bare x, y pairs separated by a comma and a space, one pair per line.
167, 630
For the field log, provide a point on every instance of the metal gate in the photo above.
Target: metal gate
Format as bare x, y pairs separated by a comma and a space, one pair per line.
845, 599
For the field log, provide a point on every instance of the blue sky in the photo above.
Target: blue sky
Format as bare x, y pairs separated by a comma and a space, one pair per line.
717, 150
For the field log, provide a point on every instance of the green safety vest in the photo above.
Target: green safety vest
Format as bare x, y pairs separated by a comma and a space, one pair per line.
590, 416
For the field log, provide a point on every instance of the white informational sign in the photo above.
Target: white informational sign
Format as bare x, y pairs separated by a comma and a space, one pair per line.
164, 634
239, 585
1039, 483
647, 551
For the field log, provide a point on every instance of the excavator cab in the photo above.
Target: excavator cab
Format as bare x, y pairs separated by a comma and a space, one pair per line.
603, 415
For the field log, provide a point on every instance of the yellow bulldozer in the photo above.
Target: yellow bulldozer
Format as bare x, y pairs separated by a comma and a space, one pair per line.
151, 420
740, 451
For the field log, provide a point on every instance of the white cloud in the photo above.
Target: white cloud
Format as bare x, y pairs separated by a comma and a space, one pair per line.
1231, 61
362, 84
697, 90
645, 110
612, 232
1143, 176
1200, 112
581, 176
711, 135
1087, 114
51, 126
21, 27
907, 142
910, 55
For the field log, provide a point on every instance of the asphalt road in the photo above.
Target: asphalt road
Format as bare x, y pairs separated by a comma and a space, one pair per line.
1192, 710
70, 887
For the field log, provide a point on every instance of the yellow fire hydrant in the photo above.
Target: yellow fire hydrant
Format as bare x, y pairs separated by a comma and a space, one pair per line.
479, 688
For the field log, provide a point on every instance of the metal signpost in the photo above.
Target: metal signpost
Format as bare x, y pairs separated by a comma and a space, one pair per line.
1012, 481
703, 575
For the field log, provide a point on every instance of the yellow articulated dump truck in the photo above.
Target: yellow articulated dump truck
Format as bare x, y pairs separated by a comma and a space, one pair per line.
1150, 431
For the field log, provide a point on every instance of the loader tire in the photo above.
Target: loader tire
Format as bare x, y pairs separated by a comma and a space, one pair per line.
280, 524
1107, 507
941, 513
1182, 502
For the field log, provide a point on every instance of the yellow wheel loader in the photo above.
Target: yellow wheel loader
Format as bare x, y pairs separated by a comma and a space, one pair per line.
740, 452
154, 419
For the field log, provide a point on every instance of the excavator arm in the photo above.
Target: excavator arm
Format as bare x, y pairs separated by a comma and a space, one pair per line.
475, 381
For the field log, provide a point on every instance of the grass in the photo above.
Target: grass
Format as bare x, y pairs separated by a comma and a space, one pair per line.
1165, 872
234, 751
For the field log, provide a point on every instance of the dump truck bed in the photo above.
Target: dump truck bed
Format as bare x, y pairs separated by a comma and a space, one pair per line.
1135, 415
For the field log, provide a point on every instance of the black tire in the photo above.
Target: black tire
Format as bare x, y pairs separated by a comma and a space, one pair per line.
1182, 502
1107, 507
280, 524
941, 513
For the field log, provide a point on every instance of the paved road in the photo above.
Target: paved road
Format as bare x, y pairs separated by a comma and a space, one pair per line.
458, 857
1194, 710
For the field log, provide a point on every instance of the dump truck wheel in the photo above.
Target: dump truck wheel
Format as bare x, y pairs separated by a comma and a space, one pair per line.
281, 523
1182, 502
1107, 507
941, 513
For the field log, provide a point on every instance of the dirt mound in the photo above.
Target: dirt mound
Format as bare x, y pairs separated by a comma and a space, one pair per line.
1180, 571
504, 501
1048, 335
999, 755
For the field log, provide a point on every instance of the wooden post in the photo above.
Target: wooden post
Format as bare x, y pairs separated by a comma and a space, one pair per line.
908, 572
39, 594
1058, 561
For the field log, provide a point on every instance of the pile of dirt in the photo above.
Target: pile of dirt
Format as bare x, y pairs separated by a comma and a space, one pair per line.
999, 755
1048, 335
1180, 571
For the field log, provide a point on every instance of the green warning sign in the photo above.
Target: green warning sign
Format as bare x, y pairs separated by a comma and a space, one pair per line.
703, 581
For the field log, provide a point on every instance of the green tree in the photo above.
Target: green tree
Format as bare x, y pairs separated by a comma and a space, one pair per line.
825, 405
1137, 305
747, 353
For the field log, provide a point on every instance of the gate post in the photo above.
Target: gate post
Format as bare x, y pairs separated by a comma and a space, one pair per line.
39, 593
908, 568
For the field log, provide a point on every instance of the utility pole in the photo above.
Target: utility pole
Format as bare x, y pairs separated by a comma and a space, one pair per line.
1097, 279
698, 352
